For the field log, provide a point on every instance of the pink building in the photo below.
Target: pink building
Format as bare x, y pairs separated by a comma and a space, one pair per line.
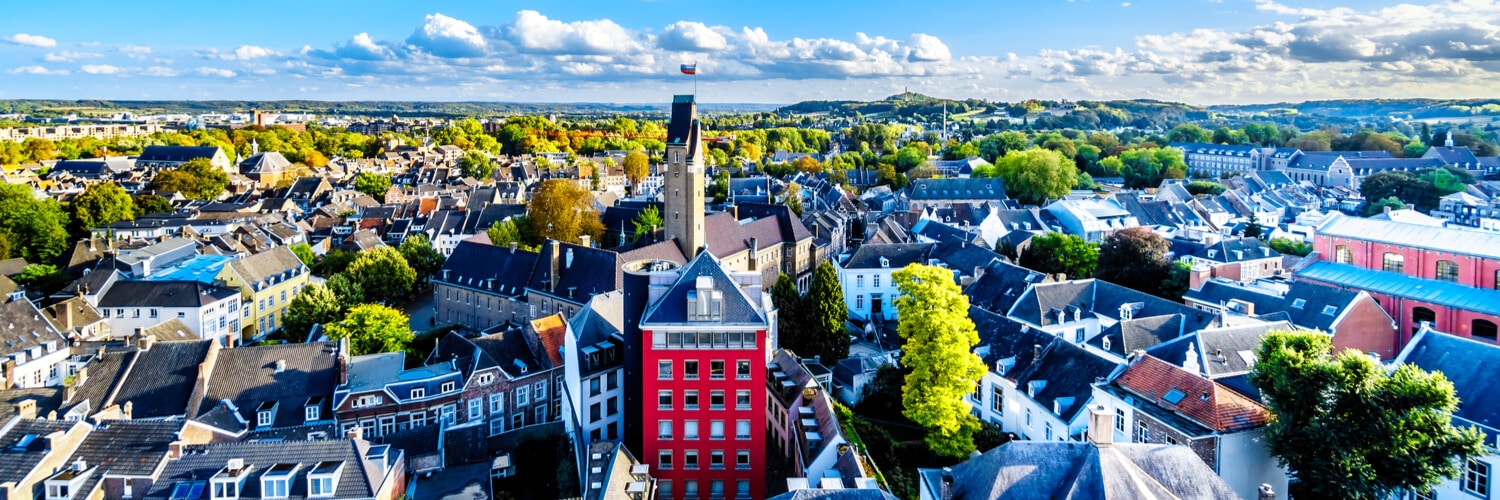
1443, 276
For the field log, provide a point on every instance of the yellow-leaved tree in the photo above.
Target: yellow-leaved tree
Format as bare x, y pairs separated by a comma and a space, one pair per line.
940, 339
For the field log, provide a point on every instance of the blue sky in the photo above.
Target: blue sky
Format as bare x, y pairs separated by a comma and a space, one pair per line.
1198, 51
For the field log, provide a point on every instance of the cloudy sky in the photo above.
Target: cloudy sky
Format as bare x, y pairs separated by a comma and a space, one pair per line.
1197, 51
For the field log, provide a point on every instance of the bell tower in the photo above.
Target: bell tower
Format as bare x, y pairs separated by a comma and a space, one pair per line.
682, 189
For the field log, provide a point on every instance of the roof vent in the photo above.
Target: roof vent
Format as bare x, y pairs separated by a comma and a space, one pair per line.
280, 365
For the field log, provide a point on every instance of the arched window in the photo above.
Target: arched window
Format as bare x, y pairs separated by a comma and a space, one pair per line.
1342, 255
1484, 329
1421, 315
1447, 270
1394, 262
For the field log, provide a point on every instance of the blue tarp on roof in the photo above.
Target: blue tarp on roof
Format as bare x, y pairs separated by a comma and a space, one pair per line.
200, 268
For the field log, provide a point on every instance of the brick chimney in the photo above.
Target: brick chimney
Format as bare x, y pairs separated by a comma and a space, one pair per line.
1101, 426
26, 409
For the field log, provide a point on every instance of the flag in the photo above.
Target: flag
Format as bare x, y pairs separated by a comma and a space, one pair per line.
690, 69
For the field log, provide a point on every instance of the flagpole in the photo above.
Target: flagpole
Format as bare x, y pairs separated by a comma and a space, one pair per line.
695, 81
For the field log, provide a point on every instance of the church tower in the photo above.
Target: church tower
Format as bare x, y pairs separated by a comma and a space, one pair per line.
682, 189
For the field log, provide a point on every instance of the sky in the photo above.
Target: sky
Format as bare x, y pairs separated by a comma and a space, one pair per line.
770, 51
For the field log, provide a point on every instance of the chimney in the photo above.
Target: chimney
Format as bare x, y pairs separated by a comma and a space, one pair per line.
1386, 209
585, 240
754, 254
280, 365
144, 341
513, 246
128, 409
552, 260
355, 433
26, 409
1036, 352
1265, 492
174, 450
1198, 276
1101, 426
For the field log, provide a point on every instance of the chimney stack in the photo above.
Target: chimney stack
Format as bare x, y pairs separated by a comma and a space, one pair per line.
1036, 352
174, 450
1101, 426
26, 409
585, 240
1265, 492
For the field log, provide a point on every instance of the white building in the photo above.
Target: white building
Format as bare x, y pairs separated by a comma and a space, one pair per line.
210, 311
869, 288
34, 353
594, 371
1091, 218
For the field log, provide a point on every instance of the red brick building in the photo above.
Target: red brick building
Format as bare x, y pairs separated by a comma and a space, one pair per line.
1444, 276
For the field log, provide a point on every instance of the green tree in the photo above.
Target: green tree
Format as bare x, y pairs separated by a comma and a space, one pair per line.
1378, 206
504, 232
43, 278
1136, 258
825, 312
789, 317
36, 228
910, 157
316, 304
348, 292
997, 145
374, 185
197, 179
476, 164
1146, 167
1205, 188
334, 262
940, 339
383, 274
305, 254
1289, 247
562, 211
151, 204
792, 198
1254, 229
373, 328
422, 258
100, 204
1067, 254
1188, 132
1036, 175
637, 167
1347, 427
648, 220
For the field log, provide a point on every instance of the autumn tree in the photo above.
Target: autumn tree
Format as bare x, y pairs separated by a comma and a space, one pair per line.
1036, 175
1347, 427
940, 339
100, 204
383, 274
562, 211
373, 328
637, 167
1055, 253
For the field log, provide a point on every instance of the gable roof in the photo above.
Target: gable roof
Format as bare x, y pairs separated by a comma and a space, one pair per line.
1001, 285
176, 153
474, 264
1065, 374
160, 380
1133, 334
550, 331
247, 377
957, 189
128, 447
163, 294
892, 255
263, 267
360, 478
1041, 303
1057, 469
1457, 357
737, 308
1220, 351
1197, 398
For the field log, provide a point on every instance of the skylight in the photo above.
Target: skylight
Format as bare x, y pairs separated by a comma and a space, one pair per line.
1174, 396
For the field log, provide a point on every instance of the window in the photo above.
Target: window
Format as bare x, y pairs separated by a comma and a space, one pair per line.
690, 459
387, 425
664, 429
517, 420
1393, 262
447, 387
310, 413
1120, 419
1049, 432
263, 418
742, 369
742, 400
859, 281
541, 414
716, 460
690, 488
716, 369
450, 415
320, 486
594, 386
997, 400
877, 280
222, 489
1483, 329
476, 409
1142, 434
690, 429
663, 400
595, 412
273, 488
664, 489
418, 393
610, 405
664, 370
1342, 255
664, 460
859, 301
690, 370
1423, 495
539, 390
611, 381
1028, 417
742, 429
1171, 440
716, 430
716, 488
1078, 335
690, 400
1477, 478
716, 400
1447, 270
523, 395
742, 459
497, 403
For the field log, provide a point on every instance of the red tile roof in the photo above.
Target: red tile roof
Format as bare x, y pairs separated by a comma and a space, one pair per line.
1204, 401
551, 330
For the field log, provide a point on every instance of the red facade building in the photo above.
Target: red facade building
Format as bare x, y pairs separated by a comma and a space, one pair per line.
1447, 277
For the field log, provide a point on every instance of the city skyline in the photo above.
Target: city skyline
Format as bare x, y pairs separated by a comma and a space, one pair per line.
1199, 52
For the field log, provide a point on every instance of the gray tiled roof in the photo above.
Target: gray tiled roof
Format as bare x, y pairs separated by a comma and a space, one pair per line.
360, 478
128, 447
161, 378
278, 262
896, 256
22, 327
737, 307
1054, 469
1457, 358
163, 294
16, 461
1069, 373
247, 376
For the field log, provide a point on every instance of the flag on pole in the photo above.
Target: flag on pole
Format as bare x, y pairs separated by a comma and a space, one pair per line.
690, 69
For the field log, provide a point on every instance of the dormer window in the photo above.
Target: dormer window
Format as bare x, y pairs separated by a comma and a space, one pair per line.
323, 481
276, 482
418, 393
447, 387
312, 411
704, 302
228, 483
266, 414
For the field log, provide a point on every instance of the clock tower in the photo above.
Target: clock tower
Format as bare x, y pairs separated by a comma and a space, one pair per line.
682, 189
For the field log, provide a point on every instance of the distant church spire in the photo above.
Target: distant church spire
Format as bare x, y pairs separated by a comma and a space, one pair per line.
254, 147
1449, 142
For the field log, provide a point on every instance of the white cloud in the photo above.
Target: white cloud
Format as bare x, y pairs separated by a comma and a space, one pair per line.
159, 71
215, 72
444, 36
101, 69
926, 47
135, 51
37, 70
31, 40
687, 36
361, 47
69, 56
535, 32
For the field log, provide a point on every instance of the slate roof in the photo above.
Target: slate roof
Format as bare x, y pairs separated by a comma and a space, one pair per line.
161, 378
169, 330
104, 373
176, 153
1440, 292
247, 377
1057, 469
128, 447
581, 271
1066, 373
473, 263
1001, 285
1453, 155
1457, 357
897, 255
1229, 251
265, 162
360, 478
1201, 400
509, 349
838, 494
1040, 304
1133, 334
1218, 352
163, 294
22, 327
683, 128
738, 309
1005, 342
279, 261
1443, 239
16, 462
48, 399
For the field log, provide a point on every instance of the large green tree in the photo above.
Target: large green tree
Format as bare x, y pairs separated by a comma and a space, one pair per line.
315, 304
1136, 258
100, 204
374, 185
825, 312
383, 274
1036, 175
1347, 427
373, 328
196, 179
789, 321
1055, 253
36, 228
422, 258
1146, 167
940, 339
476, 164
151, 204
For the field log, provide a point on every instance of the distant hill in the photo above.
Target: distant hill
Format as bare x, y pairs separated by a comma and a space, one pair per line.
365, 108
1369, 108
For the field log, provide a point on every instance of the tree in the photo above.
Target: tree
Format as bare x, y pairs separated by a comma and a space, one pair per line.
648, 220
305, 254
422, 258
789, 321
348, 292
43, 278
196, 179
1253, 229
383, 274
1136, 258
1146, 167
504, 232
476, 164
312, 158
997, 145
334, 262
100, 204
940, 339
36, 228
1055, 253
1348, 428
910, 157
316, 304
151, 204
792, 198
562, 211
1036, 175
1188, 132
1205, 188
825, 312
637, 167
374, 185
1289, 247
373, 328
